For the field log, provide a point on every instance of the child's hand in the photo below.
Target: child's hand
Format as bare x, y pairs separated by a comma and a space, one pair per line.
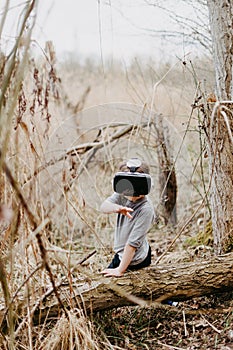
112, 272
126, 211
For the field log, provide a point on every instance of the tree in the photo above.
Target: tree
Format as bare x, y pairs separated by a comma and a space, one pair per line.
155, 284
219, 119
167, 173
219, 125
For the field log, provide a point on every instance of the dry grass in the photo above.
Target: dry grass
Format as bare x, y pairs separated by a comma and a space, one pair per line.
57, 161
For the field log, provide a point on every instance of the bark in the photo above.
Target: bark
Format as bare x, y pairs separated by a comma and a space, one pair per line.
153, 284
167, 174
220, 125
221, 25
220, 151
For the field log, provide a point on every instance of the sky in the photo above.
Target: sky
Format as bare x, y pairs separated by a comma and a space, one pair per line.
104, 29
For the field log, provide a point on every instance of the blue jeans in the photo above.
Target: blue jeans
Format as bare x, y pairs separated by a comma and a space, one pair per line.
146, 262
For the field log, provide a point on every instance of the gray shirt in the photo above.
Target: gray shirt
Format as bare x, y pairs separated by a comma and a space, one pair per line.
133, 231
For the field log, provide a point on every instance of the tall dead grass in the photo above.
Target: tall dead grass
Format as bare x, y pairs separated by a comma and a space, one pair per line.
57, 162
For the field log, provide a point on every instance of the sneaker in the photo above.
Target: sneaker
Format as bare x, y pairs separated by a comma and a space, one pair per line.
172, 303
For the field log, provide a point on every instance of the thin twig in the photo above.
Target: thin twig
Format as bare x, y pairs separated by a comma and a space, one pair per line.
185, 327
211, 325
172, 347
180, 232
227, 125
81, 261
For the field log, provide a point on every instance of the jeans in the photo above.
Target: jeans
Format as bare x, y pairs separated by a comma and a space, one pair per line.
146, 262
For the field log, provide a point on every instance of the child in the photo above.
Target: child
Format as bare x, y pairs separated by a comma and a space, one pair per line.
134, 219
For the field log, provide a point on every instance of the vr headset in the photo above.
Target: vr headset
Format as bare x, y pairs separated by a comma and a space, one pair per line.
132, 183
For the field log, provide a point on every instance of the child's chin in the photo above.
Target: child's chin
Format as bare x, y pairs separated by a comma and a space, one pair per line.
130, 198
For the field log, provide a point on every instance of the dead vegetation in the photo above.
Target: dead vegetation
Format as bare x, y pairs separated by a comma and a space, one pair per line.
63, 131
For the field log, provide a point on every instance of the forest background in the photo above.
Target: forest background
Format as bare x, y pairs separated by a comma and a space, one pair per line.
66, 123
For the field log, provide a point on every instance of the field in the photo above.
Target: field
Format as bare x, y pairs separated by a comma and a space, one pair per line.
66, 127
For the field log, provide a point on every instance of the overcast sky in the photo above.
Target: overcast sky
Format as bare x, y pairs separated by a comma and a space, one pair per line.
119, 29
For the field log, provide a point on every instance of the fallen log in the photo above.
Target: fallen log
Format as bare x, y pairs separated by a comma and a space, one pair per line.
154, 284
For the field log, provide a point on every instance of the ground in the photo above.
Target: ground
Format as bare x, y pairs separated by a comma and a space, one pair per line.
204, 323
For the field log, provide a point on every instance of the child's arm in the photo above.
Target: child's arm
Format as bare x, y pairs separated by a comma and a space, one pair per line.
110, 207
127, 257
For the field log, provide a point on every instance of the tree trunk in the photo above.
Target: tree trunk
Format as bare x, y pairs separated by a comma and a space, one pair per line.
154, 284
167, 173
220, 151
221, 26
220, 126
